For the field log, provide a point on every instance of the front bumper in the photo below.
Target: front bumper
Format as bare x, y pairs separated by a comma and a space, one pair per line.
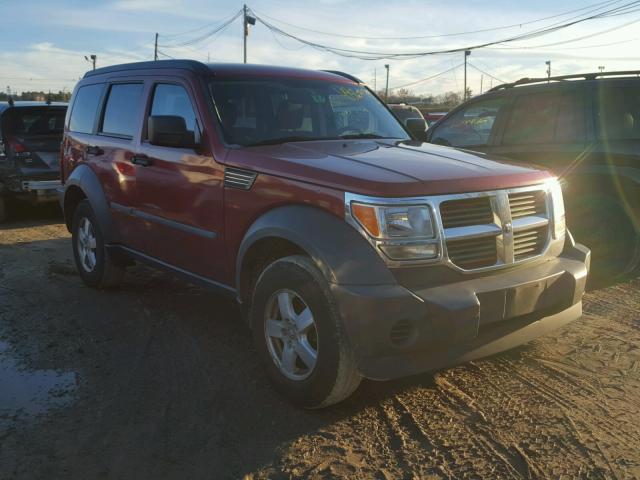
396, 332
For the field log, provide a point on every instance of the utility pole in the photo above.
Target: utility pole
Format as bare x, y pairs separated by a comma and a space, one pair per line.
466, 54
481, 80
386, 88
155, 49
375, 80
601, 68
246, 21
548, 62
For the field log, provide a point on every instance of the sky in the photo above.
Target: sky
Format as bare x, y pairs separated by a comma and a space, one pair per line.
43, 43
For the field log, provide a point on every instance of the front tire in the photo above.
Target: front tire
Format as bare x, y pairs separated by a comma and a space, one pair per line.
95, 266
299, 335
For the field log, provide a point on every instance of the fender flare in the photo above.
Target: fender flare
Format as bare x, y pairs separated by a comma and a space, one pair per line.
339, 251
85, 179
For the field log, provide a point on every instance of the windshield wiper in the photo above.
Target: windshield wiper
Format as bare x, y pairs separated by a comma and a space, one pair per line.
354, 136
278, 141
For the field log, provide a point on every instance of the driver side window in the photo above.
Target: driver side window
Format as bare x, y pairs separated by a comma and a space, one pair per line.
471, 126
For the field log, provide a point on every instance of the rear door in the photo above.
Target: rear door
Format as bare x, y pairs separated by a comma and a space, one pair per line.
180, 193
547, 127
110, 151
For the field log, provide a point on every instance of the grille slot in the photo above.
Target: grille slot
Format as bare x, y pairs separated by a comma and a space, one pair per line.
525, 204
529, 243
466, 212
473, 252
401, 332
236, 178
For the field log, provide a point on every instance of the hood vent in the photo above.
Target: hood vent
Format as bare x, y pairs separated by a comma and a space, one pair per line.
241, 179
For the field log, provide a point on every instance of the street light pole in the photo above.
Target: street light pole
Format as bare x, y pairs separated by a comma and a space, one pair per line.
155, 48
548, 62
386, 88
92, 59
466, 54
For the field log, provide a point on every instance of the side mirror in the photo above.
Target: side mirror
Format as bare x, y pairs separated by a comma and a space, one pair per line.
417, 128
169, 131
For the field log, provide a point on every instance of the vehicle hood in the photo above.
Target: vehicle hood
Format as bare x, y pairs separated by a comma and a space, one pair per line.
386, 168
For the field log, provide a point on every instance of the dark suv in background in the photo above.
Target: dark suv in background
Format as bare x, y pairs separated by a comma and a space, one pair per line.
30, 136
585, 128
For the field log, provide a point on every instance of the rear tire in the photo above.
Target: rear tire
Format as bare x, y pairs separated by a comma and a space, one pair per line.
293, 311
95, 265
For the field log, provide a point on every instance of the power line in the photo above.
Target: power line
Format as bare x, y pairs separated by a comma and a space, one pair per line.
470, 32
486, 73
373, 55
206, 35
427, 78
173, 35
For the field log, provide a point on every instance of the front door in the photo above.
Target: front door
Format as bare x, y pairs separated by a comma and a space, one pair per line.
180, 194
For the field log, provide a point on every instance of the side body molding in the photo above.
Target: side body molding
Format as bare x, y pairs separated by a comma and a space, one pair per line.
85, 179
341, 253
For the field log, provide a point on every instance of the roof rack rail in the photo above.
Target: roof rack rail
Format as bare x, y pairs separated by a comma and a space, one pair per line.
345, 75
193, 65
583, 76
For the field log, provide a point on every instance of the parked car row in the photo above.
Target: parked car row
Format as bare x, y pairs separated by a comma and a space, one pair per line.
353, 248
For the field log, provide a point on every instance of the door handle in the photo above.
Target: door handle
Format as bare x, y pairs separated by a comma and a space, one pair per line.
141, 160
93, 150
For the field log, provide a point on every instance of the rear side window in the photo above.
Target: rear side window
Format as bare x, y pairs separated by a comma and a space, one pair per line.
470, 126
618, 112
85, 108
546, 117
122, 109
174, 100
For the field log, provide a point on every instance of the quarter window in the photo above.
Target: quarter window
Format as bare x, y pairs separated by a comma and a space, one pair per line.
618, 112
470, 126
174, 100
85, 108
121, 112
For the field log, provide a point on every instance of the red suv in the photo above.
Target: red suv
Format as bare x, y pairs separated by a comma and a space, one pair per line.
353, 250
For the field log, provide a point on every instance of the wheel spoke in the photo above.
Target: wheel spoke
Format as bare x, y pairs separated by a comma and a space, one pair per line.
289, 359
285, 305
85, 227
304, 320
92, 259
91, 243
274, 328
306, 353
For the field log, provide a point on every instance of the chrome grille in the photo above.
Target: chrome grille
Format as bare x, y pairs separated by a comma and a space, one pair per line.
466, 212
495, 228
526, 204
236, 178
474, 252
529, 243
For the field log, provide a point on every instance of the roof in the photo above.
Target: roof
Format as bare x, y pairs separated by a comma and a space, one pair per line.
225, 69
27, 103
562, 78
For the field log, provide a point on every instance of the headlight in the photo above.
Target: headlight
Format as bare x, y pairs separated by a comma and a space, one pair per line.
401, 232
557, 202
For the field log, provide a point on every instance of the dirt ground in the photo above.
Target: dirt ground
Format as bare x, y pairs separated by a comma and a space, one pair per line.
159, 380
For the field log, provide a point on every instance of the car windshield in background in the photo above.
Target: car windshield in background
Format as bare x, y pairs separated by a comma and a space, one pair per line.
277, 110
34, 121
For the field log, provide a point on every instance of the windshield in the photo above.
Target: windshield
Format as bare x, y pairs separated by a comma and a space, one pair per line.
34, 121
276, 110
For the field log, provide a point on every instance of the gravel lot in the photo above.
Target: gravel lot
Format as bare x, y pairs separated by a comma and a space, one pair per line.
158, 380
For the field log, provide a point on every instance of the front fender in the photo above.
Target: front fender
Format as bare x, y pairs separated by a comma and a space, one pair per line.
341, 253
84, 178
